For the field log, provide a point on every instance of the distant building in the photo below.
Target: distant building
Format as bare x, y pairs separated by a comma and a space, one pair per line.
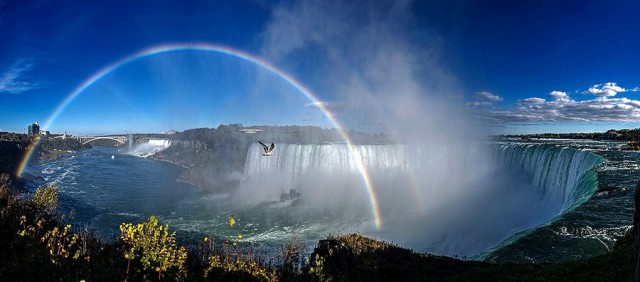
250, 130
34, 128
170, 132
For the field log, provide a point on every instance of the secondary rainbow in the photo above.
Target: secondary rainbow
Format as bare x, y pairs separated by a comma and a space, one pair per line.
206, 47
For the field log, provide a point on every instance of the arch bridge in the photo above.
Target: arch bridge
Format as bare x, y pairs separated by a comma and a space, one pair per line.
87, 139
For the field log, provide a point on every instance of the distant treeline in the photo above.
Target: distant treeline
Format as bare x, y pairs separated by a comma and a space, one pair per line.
233, 133
622, 135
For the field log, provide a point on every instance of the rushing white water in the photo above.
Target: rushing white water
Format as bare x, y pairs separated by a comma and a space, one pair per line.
295, 160
330, 174
562, 174
445, 199
150, 148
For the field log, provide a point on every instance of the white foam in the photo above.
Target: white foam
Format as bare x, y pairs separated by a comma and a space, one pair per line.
153, 146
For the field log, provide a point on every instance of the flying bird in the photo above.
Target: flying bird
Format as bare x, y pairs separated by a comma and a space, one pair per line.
268, 151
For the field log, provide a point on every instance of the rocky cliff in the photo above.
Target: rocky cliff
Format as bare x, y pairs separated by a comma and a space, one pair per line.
214, 167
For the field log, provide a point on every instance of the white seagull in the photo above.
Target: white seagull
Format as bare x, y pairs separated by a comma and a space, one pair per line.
268, 151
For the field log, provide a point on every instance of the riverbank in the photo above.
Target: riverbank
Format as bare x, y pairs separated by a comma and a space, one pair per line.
14, 147
51, 148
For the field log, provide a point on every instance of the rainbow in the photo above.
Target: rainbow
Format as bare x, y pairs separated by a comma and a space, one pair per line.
206, 47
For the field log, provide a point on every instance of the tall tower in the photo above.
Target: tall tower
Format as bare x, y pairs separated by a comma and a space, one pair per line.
34, 128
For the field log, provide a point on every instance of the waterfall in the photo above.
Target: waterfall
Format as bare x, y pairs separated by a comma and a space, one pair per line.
151, 147
562, 174
295, 159
440, 198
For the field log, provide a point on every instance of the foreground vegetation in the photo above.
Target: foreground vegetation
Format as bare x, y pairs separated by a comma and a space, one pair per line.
39, 244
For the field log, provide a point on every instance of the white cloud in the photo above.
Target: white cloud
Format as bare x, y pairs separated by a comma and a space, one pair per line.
532, 101
606, 89
560, 96
13, 80
487, 96
562, 108
479, 104
595, 110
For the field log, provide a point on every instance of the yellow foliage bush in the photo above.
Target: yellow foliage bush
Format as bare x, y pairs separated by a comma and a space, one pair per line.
153, 245
62, 243
46, 197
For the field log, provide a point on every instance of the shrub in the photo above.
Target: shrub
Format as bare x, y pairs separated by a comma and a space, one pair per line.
154, 247
46, 198
292, 261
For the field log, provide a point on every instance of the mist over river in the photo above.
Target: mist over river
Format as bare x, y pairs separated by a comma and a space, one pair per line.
502, 201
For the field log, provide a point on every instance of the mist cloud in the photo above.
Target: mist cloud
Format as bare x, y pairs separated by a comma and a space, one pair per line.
370, 56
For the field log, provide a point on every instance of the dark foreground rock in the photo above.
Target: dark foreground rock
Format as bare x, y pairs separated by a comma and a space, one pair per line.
357, 258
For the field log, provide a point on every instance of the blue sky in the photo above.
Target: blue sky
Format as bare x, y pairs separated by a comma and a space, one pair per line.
514, 66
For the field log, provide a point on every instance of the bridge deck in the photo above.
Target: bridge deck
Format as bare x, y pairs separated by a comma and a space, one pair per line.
87, 139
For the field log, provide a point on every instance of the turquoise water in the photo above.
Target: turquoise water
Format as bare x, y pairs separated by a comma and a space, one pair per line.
104, 192
590, 228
